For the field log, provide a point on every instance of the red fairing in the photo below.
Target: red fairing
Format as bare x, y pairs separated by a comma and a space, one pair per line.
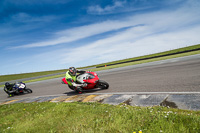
64, 80
90, 82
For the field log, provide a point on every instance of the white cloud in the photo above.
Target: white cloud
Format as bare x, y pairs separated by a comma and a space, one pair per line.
111, 49
163, 21
159, 31
77, 33
110, 8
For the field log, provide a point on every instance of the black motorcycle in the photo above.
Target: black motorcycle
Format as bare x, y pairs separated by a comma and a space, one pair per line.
17, 88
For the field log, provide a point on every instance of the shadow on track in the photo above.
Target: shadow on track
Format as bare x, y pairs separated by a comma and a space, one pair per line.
18, 95
72, 93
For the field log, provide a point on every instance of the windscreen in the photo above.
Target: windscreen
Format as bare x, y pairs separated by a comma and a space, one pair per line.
90, 76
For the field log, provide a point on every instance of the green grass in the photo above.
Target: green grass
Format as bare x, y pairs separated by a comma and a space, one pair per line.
95, 118
146, 61
154, 55
27, 75
45, 78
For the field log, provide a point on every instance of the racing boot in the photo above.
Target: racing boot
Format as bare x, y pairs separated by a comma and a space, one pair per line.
10, 95
79, 90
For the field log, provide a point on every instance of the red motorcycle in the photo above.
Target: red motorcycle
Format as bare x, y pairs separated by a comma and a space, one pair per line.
91, 80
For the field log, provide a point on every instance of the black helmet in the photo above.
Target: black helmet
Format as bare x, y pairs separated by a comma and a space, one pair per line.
72, 71
7, 84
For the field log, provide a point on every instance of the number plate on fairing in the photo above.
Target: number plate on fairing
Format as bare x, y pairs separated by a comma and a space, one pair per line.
81, 78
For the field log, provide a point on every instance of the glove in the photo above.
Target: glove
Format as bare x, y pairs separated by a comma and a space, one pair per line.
74, 84
84, 85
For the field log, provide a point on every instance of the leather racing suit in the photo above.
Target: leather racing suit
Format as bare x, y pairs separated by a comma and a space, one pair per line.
71, 80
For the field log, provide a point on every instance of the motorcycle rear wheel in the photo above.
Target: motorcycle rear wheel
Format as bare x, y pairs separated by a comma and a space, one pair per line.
103, 84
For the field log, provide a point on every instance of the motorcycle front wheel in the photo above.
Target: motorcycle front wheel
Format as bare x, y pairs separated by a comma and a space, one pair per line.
102, 84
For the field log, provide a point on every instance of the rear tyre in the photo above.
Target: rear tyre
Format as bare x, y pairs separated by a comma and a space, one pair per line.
103, 84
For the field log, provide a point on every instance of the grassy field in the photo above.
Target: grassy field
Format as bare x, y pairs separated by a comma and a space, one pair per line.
154, 55
146, 61
27, 75
95, 118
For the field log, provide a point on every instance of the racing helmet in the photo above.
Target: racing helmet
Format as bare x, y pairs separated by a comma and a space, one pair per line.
72, 71
7, 84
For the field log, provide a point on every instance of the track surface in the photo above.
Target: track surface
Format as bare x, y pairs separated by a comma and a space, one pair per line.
173, 75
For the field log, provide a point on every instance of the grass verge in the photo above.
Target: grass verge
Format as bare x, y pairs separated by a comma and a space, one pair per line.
166, 53
27, 75
146, 61
95, 117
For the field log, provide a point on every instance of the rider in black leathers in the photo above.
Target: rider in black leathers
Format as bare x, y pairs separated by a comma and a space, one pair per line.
8, 88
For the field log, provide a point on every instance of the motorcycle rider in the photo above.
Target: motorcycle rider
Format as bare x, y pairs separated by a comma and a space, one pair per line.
8, 88
71, 79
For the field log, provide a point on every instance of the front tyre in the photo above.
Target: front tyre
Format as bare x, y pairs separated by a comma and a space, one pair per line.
103, 84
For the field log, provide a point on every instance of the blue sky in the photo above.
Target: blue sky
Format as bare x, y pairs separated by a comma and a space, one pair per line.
40, 35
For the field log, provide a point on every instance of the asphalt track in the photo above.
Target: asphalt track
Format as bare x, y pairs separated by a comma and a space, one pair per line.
179, 75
